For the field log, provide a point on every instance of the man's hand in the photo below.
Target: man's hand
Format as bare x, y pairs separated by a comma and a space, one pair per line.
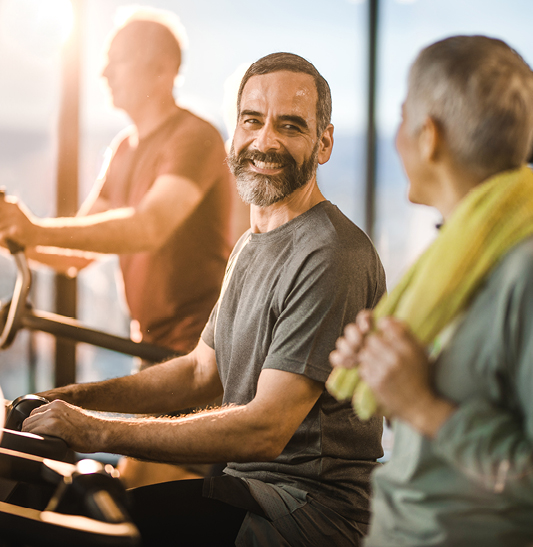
16, 222
397, 369
7, 408
81, 431
349, 345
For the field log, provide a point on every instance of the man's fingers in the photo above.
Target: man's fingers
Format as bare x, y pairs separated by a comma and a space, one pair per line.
46, 407
43, 415
32, 422
347, 347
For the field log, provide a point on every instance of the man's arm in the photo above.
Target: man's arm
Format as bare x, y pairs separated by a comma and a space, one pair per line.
65, 261
183, 382
71, 261
167, 204
257, 431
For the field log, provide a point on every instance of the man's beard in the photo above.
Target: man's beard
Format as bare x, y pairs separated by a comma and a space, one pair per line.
264, 190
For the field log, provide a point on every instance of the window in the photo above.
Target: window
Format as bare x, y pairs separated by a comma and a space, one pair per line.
223, 37
402, 230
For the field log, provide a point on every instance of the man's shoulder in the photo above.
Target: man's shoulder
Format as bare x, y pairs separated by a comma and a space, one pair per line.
328, 228
520, 256
329, 242
196, 126
122, 138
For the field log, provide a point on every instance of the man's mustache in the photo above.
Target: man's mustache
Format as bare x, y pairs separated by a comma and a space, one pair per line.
284, 159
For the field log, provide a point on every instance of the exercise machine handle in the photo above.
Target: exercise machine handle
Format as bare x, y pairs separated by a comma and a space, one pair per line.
40, 445
21, 315
20, 293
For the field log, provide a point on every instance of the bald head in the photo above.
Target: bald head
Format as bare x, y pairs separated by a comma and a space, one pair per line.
150, 42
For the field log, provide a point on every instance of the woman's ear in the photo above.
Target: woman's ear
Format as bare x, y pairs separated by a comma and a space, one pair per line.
430, 139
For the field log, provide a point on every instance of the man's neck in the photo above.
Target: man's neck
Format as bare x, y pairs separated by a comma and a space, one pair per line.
152, 114
266, 219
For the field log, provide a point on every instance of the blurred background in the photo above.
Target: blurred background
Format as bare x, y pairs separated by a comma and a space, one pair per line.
362, 47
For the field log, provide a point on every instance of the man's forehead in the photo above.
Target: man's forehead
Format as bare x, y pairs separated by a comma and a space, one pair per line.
136, 39
282, 88
124, 42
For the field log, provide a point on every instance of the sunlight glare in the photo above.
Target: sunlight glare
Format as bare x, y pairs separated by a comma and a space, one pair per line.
40, 27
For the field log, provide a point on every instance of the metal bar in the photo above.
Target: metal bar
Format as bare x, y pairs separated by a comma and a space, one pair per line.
17, 307
69, 328
67, 184
370, 187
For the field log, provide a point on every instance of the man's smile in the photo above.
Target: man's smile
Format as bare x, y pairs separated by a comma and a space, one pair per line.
266, 167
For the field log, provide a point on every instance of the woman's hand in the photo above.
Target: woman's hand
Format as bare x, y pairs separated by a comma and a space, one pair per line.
348, 346
397, 369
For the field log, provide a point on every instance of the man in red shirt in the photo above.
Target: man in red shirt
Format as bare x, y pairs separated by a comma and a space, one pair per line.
163, 203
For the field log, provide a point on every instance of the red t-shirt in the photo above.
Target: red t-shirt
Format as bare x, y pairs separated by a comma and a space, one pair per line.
171, 292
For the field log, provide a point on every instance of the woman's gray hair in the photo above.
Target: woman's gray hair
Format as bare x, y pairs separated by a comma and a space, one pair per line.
480, 92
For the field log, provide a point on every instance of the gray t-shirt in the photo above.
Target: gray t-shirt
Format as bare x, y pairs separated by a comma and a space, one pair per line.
287, 296
473, 484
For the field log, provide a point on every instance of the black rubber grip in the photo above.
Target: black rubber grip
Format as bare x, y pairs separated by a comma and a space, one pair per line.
14, 247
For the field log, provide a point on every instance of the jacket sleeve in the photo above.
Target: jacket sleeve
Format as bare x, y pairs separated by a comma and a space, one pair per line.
492, 444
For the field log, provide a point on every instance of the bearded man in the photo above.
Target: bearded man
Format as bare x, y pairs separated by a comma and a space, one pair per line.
299, 461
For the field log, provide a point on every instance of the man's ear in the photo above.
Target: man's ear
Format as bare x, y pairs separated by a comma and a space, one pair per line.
325, 146
430, 139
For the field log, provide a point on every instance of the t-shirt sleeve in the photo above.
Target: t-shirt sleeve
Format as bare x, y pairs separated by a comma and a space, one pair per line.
115, 148
208, 334
322, 299
196, 153
489, 443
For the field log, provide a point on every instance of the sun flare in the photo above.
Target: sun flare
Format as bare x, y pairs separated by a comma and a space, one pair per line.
38, 26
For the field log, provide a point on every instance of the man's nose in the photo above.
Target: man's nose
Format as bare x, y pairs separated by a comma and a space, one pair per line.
106, 70
267, 139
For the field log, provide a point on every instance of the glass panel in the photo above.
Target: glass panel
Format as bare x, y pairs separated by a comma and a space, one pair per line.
31, 34
402, 229
223, 37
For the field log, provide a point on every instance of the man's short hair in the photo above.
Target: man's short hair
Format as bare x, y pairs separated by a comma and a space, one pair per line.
276, 62
480, 92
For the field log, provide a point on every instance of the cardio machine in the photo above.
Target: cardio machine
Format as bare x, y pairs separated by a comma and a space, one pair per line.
46, 498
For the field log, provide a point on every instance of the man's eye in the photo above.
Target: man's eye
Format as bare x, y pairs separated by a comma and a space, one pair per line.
250, 121
290, 127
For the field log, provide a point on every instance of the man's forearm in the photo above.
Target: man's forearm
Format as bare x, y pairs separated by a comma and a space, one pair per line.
111, 232
257, 431
160, 389
65, 261
110, 395
219, 435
